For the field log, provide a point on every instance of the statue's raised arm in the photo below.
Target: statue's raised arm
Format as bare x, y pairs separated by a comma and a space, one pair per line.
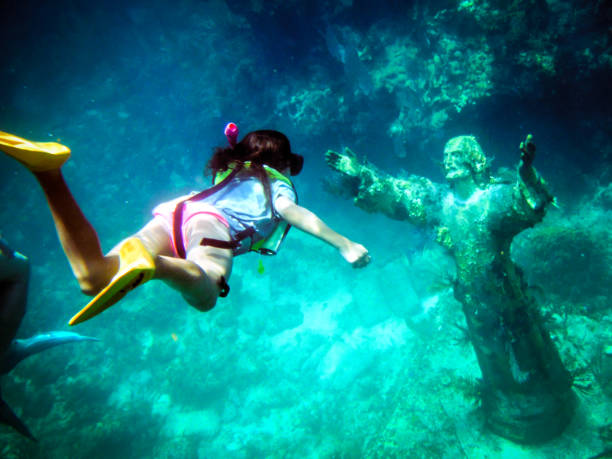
413, 199
533, 189
526, 202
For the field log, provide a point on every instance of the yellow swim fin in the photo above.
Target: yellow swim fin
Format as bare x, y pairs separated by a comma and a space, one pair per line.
36, 156
136, 266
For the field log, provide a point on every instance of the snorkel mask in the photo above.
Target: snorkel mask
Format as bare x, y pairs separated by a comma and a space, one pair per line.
296, 163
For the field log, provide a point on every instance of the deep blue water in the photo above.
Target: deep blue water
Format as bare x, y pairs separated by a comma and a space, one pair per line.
309, 358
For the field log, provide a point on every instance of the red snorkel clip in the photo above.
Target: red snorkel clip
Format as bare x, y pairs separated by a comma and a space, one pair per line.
231, 132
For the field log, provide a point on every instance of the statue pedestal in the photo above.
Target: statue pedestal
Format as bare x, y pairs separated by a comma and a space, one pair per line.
526, 391
529, 418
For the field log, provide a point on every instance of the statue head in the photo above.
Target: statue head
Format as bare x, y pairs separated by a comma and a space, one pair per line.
464, 161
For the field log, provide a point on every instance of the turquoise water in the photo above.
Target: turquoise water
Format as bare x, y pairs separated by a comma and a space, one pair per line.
310, 358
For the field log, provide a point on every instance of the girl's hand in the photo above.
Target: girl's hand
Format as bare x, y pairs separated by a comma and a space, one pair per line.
356, 254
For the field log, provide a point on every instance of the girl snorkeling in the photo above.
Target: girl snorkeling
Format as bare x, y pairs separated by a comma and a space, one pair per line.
191, 241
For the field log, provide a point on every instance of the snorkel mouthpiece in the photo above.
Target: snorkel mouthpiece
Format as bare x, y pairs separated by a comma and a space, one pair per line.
231, 132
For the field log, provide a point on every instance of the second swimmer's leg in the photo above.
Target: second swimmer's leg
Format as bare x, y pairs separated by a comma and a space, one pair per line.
198, 277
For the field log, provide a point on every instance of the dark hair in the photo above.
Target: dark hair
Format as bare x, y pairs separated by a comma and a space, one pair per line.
268, 147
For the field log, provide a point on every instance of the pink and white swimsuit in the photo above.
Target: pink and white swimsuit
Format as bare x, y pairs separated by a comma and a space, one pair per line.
239, 205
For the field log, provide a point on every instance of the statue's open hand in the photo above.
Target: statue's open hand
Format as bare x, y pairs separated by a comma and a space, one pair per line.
346, 163
528, 150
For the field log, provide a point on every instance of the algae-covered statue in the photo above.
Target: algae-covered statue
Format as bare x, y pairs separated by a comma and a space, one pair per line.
526, 391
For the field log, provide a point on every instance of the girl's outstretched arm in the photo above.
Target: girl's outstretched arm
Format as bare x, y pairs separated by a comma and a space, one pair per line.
307, 221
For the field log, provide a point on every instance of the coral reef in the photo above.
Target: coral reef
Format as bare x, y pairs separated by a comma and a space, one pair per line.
429, 86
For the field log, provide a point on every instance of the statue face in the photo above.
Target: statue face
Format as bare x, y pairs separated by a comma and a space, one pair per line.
464, 159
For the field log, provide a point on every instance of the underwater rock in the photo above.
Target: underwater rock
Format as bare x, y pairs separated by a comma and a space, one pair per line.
203, 423
603, 197
342, 45
569, 256
351, 356
602, 368
309, 108
431, 87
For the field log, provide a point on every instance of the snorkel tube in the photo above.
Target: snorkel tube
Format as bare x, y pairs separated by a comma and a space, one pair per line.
231, 132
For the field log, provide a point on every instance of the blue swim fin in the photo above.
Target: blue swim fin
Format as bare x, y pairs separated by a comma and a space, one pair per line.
23, 348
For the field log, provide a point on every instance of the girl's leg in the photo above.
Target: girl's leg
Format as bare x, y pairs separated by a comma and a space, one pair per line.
154, 236
136, 256
198, 277
79, 239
